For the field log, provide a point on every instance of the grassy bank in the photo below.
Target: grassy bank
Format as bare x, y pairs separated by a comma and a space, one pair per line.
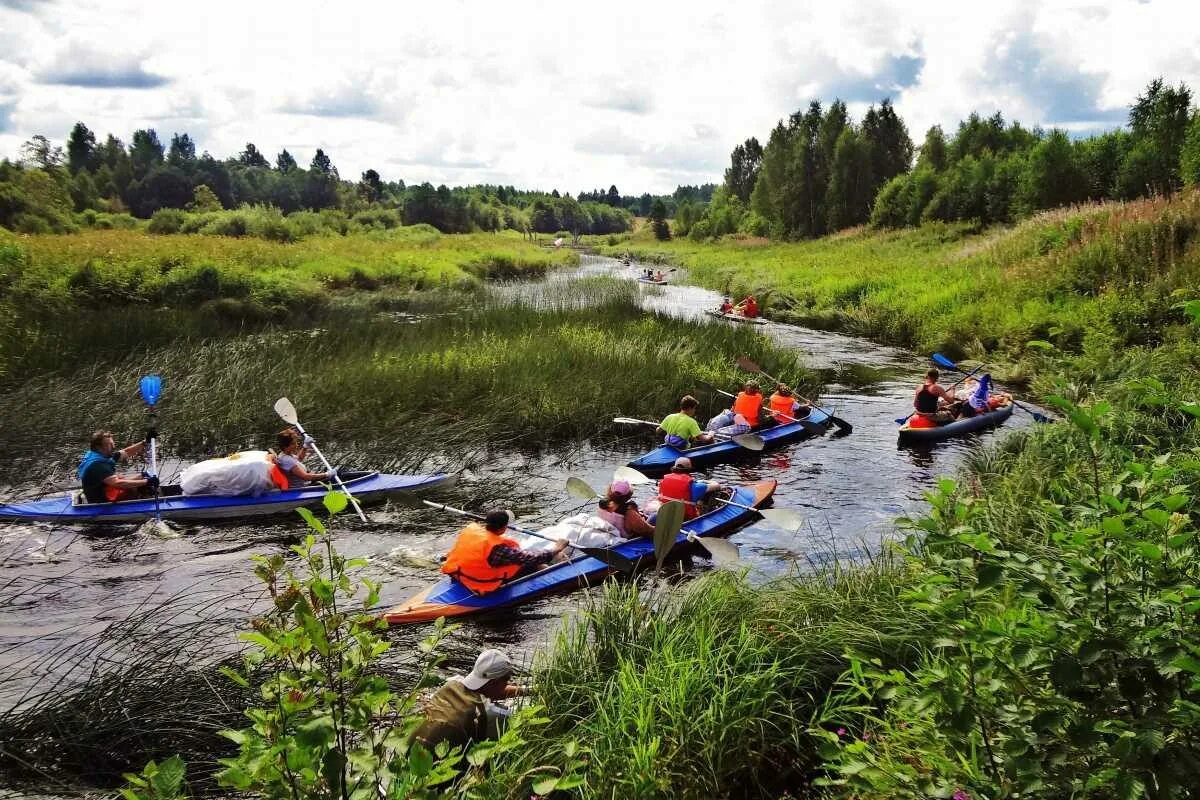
479, 372
1090, 275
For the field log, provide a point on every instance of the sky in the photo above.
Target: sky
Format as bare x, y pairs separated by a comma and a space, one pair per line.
569, 96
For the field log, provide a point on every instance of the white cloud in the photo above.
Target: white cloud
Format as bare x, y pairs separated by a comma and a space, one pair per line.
536, 94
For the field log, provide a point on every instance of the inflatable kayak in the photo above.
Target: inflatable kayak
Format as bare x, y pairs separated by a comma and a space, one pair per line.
71, 507
981, 422
652, 280
660, 459
736, 317
448, 598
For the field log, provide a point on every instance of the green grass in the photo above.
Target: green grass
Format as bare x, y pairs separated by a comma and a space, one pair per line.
1095, 274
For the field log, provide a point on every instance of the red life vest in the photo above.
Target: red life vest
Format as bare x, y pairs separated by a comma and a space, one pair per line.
467, 561
678, 486
748, 405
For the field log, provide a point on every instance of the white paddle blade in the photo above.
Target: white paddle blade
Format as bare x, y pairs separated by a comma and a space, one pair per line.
631, 476
783, 518
577, 487
721, 551
286, 411
750, 441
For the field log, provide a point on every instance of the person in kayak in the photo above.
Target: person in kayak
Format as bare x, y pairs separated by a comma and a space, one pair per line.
681, 429
742, 416
726, 306
483, 559
618, 509
784, 406
747, 308
98, 471
930, 401
464, 709
293, 449
978, 402
680, 485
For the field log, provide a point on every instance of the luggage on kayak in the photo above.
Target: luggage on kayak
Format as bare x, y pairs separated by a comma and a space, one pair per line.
244, 474
581, 530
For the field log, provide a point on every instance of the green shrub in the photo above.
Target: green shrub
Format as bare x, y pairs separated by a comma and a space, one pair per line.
167, 221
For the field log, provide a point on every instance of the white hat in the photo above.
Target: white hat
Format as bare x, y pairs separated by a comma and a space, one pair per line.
490, 665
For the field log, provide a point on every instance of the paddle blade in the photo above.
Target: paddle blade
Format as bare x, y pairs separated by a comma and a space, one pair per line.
942, 361
782, 518
286, 411
750, 441
631, 476
746, 364
720, 551
666, 528
578, 487
150, 387
633, 421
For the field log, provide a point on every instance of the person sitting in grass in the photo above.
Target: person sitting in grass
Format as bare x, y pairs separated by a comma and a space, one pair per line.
463, 710
618, 509
98, 471
681, 429
742, 417
290, 459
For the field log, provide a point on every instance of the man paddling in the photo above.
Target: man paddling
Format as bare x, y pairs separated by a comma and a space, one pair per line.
462, 710
681, 429
928, 402
98, 471
680, 485
483, 559
747, 308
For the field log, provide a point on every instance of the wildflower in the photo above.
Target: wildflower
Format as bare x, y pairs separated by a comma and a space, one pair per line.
959, 794
841, 732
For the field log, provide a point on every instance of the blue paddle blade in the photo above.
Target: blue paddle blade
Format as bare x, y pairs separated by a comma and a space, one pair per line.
151, 387
942, 361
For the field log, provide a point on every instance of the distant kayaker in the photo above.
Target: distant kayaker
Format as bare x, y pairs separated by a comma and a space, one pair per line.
618, 509
680, 485
98, 471
483, 559
784, 406
979, 401
930, 398
293, 449
462, 711
681, 429
747, 308
658, 276
742, 417
726, 306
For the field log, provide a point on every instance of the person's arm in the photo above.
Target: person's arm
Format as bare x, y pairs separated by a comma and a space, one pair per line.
503, 554
636, 525
128, 453
125, 482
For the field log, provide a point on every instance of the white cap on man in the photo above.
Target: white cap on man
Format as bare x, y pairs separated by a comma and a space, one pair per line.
490, 665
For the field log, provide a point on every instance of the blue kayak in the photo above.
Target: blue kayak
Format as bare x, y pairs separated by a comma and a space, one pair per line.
449, 598
72, 508
958, 427
660, 459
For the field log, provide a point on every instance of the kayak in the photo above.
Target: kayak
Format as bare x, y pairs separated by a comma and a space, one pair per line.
989, 419
652, 280
736, 317
70, 507
449, 598
661, 459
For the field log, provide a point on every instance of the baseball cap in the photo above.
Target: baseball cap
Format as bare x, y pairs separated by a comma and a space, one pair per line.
683, 462
490, 665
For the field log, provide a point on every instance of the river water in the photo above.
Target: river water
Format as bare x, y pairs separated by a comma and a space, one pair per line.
66, 592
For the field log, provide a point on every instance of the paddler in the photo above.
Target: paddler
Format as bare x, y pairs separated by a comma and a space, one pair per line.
747, 308
784, 406
742, 417
680, 485
618, 509
929, 402
462, 711
681, 429
726, 306
483, 559
293, 449
98, 471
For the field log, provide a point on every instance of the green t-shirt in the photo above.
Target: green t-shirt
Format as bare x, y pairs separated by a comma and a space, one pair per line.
681, 425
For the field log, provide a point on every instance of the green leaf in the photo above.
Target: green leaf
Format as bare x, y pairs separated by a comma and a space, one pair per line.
1190, 408
1113, 526
545, 786
1187, 664
420, 762
947, 486
234, 676
317, 732
1175, 502
312, 521
989, 575
1150, 551
1157, 516
168, 780
1039, 344
335, 502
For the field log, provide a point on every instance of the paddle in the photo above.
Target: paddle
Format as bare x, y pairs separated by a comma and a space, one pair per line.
604, 554
965, 377
750, 441
287, 412
749, 366
781, 517
720, 552
151, 388
942, 361
812, 427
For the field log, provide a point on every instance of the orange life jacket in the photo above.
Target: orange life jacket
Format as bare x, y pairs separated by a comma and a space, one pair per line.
783, 407
748, 405
678, 486
278, 478
467, 561
750, 309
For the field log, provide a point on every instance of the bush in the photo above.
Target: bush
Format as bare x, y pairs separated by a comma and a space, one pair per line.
167, 221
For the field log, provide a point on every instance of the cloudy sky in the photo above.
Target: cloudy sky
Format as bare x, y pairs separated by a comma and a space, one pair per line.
647, 95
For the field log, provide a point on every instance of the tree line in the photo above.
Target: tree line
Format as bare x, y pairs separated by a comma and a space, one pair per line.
821, 171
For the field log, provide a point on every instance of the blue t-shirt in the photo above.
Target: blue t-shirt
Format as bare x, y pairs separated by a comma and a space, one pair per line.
94, 469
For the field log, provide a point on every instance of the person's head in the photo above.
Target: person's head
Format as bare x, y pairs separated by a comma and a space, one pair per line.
102, 442
287, 440
497, 520
751, 387
682, 464
688, 405
727, 300
751, 299
932, 376
490, 674
620, 491
784, 390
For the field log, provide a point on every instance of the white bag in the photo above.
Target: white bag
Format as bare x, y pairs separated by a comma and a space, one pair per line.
245, 473
581, 530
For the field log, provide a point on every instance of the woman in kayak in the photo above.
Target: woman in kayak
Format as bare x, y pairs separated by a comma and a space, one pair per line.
930, 400
784, 406
618, 509
290, 459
